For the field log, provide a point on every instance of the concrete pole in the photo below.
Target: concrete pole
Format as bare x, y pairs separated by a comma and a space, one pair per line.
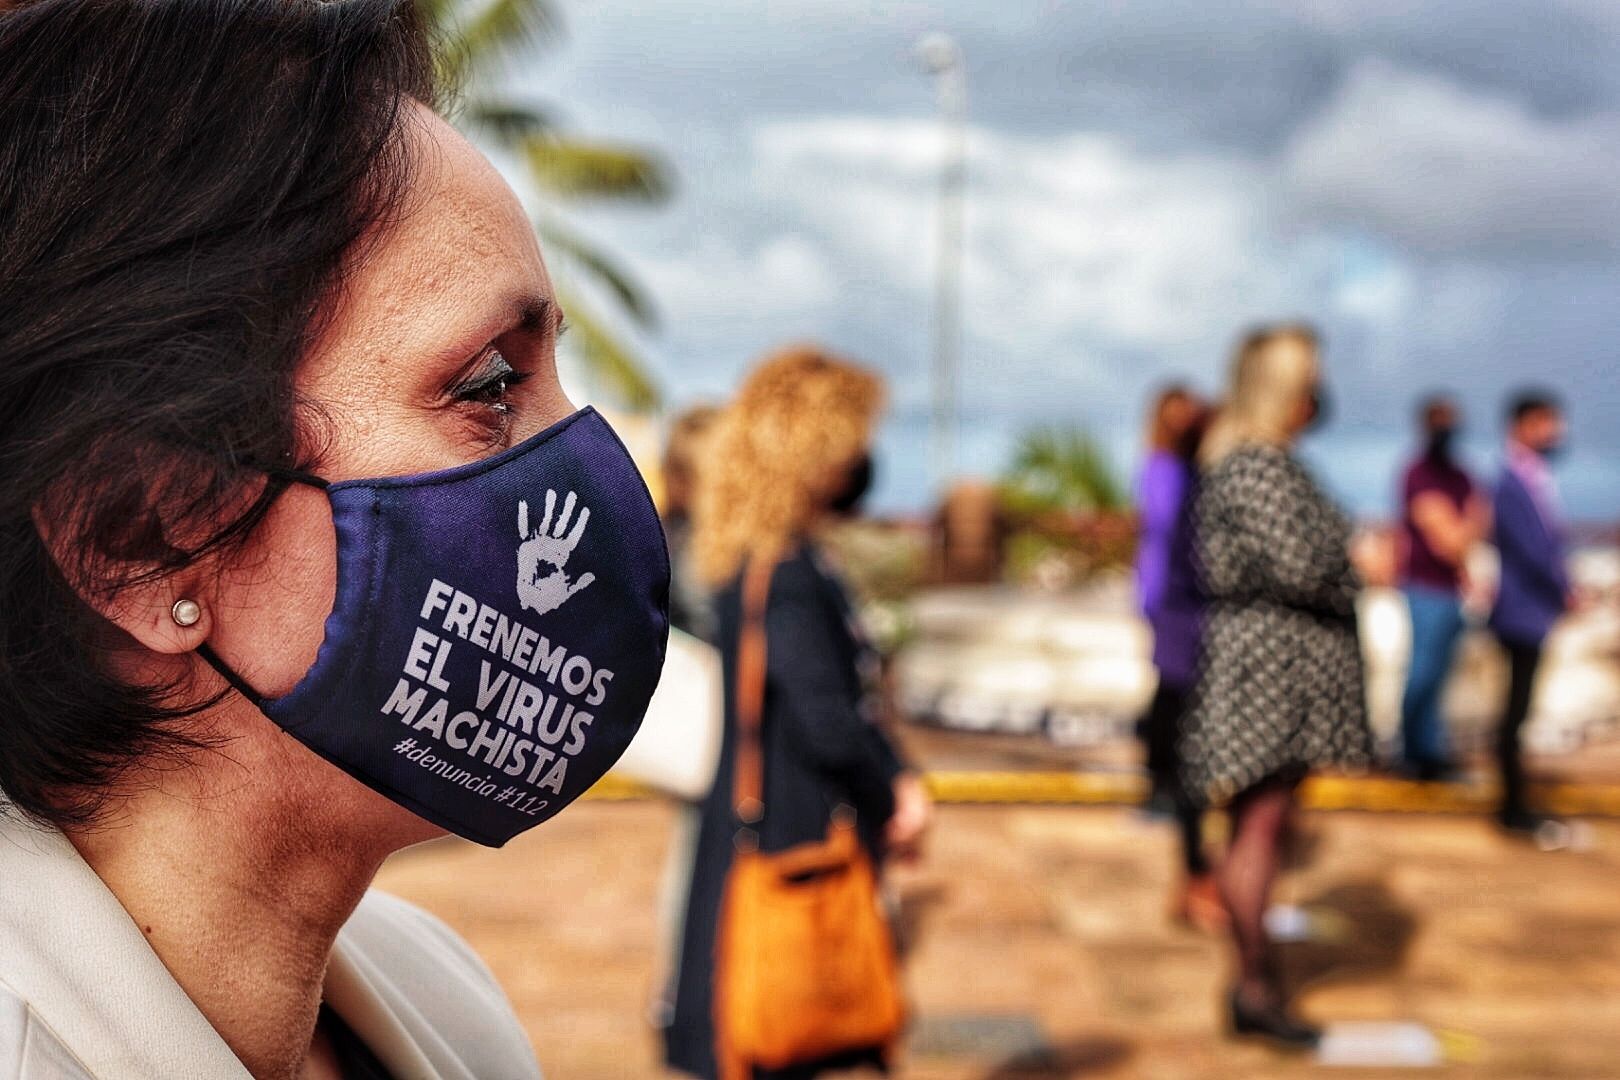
942, 57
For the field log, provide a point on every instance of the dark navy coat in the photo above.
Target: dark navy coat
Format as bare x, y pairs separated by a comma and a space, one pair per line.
821, 748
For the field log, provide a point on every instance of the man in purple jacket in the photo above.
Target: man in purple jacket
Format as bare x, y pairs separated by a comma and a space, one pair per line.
1535, 590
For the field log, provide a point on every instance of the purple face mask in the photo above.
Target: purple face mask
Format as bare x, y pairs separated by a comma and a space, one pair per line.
497, 632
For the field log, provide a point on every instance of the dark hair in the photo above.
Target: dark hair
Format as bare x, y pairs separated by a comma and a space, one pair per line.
180, 185
1532, 400
1160, 436
1433, 407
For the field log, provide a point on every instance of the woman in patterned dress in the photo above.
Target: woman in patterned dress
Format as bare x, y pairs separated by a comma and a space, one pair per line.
1279, 688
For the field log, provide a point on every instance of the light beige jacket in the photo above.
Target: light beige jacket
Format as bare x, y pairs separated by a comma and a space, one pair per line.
83, 997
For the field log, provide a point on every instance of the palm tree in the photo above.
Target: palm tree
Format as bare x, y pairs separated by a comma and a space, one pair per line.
481, 38
1060, 469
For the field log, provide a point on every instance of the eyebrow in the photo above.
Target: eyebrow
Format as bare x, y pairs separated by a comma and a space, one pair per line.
535, 313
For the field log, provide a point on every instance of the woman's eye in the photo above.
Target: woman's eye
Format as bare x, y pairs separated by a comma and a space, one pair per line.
492, 385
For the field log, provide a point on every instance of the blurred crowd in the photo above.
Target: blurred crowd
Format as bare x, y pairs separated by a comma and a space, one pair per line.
1248, 578
1247, 575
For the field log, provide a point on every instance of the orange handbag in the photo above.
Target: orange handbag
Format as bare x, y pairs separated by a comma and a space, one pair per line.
806, 964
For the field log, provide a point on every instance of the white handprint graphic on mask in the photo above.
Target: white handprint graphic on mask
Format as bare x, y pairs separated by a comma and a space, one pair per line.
542, 583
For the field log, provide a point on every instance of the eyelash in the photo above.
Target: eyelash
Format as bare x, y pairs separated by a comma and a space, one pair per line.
491, 388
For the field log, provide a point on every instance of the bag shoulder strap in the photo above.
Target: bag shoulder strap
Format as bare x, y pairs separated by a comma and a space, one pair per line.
748, 788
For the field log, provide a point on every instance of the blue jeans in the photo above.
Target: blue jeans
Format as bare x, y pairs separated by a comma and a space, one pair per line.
1437, 622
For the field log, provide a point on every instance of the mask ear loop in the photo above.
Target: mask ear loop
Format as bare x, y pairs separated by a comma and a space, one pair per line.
283, 477
226, 672
280, 480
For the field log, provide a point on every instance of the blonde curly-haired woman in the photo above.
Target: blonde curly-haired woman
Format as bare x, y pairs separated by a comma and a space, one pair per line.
790, 453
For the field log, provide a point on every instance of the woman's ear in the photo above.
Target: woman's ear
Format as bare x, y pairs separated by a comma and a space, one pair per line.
165, 616
168, 613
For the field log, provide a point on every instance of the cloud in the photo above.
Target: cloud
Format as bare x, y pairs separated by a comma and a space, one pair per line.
1094, 269
783, 274
1071, 235
1442, 171
726, 298
1437, 181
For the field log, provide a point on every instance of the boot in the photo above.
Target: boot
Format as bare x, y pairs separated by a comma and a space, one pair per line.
1271, 1021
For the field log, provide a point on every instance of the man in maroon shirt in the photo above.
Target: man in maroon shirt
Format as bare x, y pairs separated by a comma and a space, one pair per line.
1442, 515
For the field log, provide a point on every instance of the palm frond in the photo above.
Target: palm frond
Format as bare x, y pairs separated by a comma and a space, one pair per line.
574, 168
474, 39
507, 123
582, 254
610, 364
1060, 469
501, 26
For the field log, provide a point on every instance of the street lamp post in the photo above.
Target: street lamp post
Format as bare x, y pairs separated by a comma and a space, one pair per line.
942, 57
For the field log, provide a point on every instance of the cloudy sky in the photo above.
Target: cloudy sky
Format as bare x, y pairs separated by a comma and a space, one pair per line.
1436, 182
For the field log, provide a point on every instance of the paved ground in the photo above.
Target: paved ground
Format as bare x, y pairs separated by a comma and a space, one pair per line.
1040, 927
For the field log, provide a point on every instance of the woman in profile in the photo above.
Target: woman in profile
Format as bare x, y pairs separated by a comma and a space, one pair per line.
277, 391
1280, 688
791, 453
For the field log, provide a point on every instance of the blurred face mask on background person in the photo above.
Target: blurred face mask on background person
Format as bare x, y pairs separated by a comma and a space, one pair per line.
1319, 408
497, 632
1552, 441
1441, 443
857, 484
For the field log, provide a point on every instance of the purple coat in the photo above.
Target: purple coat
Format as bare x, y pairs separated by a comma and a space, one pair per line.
1166, 580
1535, 585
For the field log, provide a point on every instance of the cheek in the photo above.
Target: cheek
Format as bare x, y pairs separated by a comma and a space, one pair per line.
273, 601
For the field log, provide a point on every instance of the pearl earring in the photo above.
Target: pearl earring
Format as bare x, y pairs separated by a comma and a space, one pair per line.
185, 612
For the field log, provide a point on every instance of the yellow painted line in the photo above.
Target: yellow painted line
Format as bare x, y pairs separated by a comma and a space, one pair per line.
1459, 1047
1368, 793
613, 788
1065, 788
